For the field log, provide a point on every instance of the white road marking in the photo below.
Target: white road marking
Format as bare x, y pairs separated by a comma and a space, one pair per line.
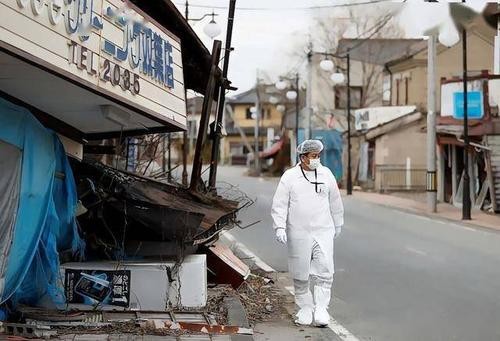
413, 250
467, 228
334, 325
436, 220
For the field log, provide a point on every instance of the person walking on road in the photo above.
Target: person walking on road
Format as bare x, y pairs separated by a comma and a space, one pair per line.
308, 213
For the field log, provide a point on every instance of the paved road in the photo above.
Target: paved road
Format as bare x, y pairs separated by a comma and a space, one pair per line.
399, 276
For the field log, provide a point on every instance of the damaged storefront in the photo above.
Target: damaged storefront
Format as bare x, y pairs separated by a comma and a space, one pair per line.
484, 135
74, 232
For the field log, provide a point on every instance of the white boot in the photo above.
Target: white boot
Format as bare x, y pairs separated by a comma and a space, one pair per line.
304, 316
321, 317
321, 301
304, 300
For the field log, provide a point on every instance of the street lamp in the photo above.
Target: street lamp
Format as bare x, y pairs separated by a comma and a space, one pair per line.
338, 78
281, 85
273, 100
292, 94
326, 65
212, 29
449, 36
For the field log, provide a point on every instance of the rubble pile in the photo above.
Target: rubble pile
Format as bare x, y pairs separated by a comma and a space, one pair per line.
215, 303
263, 301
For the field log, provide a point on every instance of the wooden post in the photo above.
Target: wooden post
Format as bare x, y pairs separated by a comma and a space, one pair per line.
205, 116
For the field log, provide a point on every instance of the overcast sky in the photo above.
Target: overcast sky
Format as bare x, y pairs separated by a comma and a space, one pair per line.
267, 32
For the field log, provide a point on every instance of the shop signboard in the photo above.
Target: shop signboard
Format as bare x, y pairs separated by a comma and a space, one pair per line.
107, 45
452, 99
474, 105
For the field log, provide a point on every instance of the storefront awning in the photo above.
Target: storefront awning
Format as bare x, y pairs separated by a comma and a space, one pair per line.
272, 151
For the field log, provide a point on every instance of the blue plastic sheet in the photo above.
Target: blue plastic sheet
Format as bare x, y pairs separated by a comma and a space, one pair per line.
331, 156
45, 222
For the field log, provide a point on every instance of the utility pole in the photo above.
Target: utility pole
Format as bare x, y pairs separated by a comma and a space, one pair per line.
222, 98
256, 130
185, 150
431, 125
466, 202
349, 168
297, 113
308, 132
496, 67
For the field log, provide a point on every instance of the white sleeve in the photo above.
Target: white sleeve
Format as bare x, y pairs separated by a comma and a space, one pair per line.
279, 210
336, 205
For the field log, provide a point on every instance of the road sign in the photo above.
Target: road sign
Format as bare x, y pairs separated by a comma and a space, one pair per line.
475, 108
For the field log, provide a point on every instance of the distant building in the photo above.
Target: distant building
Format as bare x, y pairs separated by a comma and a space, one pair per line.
394, 138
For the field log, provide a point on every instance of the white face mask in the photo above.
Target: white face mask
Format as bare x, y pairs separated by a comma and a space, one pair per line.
314, 163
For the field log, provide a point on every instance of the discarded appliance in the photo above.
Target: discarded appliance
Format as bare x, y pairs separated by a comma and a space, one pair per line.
132, 285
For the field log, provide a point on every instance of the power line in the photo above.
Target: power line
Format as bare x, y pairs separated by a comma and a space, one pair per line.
351, 4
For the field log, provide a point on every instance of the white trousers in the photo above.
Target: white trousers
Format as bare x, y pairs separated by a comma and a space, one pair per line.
321, 276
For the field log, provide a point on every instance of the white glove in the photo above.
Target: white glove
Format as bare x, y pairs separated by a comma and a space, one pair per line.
281, 235
338, 230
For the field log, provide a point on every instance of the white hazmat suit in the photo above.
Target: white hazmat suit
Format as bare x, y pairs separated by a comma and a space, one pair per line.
308, 205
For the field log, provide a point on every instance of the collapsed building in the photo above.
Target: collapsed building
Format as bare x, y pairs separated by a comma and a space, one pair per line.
77, 79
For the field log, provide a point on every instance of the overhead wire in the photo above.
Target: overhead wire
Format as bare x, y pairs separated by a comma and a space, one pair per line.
305, 8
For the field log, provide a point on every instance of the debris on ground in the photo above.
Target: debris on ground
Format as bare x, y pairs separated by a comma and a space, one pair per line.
262, 299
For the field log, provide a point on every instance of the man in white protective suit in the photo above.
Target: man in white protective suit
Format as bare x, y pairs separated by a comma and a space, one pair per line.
308, 214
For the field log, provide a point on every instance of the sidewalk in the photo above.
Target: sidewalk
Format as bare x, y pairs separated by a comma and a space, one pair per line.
444, 210
284, 328
280, 326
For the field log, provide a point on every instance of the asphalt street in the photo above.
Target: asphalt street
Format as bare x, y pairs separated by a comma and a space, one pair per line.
398, 276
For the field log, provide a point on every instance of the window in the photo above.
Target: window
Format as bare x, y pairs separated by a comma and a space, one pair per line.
236, 148
406, 91
341, 97
249, 114
397, 91
264, 113
386, 90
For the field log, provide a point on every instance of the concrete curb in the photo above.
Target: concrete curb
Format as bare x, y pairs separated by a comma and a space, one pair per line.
434, 216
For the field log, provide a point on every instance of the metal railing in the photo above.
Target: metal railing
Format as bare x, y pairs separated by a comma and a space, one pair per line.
400, 178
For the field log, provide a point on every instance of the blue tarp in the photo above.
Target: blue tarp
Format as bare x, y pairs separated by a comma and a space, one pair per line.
332, 154
45, 222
